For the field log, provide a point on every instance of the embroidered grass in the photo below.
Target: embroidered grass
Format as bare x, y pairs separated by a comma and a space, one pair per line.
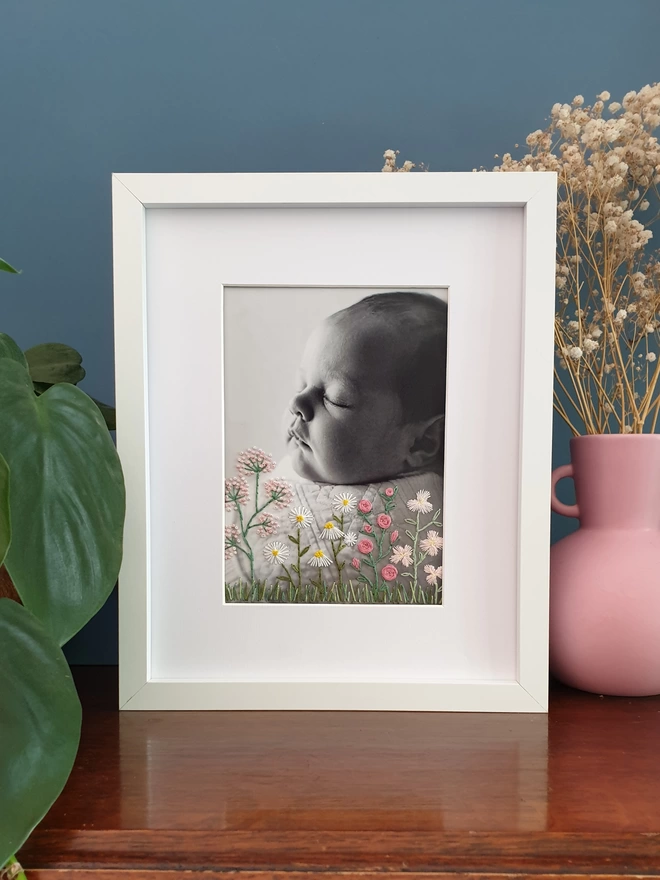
319, 593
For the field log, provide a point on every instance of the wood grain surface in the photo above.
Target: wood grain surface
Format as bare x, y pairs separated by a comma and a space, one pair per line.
274, 794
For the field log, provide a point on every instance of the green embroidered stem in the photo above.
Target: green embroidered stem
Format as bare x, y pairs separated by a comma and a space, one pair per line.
415, 560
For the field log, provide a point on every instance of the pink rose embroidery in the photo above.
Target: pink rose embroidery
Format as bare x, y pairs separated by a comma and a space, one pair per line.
389, 491
394, 536
364, 506
365, 546
384, 520
389, 572
368, 529
355, 563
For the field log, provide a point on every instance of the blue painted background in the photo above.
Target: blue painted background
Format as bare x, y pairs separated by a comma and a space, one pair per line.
95, 86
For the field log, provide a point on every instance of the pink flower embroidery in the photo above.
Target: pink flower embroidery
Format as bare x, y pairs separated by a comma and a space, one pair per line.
368, 529
393, 536
355, 563
232, 537
384, 520
279, 492
267, 525
236, 491
432, 543
389, 491
402, 555
254, 461
389, 572
364, 506
365, 546
433, 574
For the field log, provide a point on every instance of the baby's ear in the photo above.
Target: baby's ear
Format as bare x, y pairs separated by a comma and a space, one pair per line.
426, 443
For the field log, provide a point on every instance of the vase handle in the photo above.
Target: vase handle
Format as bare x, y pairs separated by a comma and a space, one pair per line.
566, 470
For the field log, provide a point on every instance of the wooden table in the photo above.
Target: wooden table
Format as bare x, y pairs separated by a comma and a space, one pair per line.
286, 795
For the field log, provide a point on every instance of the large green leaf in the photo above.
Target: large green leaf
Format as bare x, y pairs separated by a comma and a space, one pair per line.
5, 267
68, 501
40, 718
9, 349
5, 521
53, 362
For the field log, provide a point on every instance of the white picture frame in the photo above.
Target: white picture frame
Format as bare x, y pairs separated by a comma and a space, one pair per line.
476, 210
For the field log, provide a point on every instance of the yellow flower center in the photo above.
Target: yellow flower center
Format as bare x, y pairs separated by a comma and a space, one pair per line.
275, 551
329, 525
300, 518
345, 502
319, 554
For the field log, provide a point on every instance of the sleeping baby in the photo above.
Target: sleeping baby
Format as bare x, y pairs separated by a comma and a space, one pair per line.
365, 447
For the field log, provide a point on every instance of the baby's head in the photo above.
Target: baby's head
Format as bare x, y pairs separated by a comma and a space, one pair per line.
370, 400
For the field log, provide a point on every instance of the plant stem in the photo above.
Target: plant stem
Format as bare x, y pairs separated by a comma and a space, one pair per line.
13, 869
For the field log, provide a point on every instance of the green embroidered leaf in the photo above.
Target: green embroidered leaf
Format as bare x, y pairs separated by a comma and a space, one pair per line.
302, 552
295, 568
293, 540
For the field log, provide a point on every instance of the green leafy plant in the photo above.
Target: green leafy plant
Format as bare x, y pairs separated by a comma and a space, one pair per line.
62, 505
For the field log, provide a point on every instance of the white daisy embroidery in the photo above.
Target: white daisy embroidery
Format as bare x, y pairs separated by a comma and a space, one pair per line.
420, 503
330, 531
344, 501
319, 559
432, 543
301, 517
433, 575
350, 539
276, 552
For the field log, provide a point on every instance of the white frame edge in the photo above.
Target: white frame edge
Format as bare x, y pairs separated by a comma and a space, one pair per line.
132, 194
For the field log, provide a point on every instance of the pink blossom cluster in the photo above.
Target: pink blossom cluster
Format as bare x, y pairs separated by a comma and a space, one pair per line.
279, 492
254, 461
236, 492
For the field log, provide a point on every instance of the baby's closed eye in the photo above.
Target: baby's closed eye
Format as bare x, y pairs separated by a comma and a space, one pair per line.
333, 402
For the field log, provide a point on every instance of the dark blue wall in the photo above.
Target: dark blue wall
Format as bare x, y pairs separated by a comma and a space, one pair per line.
91, 87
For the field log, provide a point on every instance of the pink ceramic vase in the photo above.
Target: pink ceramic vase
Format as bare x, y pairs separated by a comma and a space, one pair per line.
605, 577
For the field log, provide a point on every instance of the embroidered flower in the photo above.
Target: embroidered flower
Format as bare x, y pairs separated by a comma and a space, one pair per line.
330, 531
384, 520
402, 555
355, 563
364, 506
393, 536
236, 491
389, 491
319, 559
267, 525
350, 539
276, 552
432, 543
433, 575
367, 528
365, 546
389, 572
420, 503
344, 501
254, 461
232, 537
301, 517
279, 492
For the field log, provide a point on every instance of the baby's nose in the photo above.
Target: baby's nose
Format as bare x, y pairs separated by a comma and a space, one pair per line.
301, 406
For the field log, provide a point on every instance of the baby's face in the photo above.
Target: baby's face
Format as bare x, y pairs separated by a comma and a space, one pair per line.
344, 424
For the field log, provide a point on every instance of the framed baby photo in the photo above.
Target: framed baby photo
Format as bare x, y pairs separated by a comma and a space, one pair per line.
334, 415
